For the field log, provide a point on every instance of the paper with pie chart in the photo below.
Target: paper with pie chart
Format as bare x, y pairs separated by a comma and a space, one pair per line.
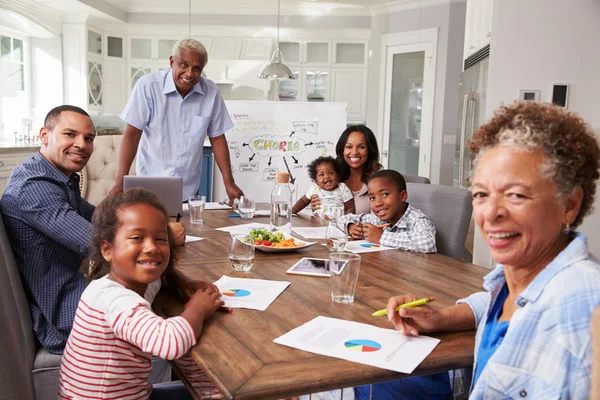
361, 343
362, 246
255, 294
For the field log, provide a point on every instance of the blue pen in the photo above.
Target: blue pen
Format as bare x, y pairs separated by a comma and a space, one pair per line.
234, 216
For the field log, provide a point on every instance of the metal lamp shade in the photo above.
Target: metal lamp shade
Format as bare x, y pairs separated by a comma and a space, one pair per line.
276, 69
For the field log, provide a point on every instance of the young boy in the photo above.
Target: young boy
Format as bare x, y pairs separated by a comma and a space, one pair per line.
392, 221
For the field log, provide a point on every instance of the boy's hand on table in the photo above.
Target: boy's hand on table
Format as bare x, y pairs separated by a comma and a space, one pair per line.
356, 231
372, 233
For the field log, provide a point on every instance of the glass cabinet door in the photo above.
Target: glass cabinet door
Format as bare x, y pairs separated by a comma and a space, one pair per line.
290, 52
316, 85
114, 46
94, 42
291, 90
165, 47
136, 73
140, 48
94, 84
317, 53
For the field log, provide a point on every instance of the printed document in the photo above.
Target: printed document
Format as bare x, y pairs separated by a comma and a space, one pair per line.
244, 228
360, 343
317, 232
190, 238
254, 294
362, 246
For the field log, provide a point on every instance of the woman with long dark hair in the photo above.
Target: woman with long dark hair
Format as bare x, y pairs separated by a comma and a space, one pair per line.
358, 156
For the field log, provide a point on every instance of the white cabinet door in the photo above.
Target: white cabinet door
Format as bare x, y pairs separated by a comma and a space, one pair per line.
115, 87
227, 48
95, 83
317, 53
291, 49
257, 49
349, 85
350, 53
141, 48
478, 25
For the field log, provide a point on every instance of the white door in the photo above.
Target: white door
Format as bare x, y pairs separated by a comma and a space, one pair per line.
408, 107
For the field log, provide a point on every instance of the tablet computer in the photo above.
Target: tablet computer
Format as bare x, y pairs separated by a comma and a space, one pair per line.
311, 266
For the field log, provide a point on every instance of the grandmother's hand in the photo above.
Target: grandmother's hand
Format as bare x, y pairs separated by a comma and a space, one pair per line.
412, 320
315, 202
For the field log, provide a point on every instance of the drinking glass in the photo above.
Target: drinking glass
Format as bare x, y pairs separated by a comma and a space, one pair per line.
336, 237
196, 206
241, 252
343, 271
246, 207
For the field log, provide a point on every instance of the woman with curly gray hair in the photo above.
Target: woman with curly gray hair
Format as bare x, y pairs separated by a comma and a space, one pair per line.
534, 181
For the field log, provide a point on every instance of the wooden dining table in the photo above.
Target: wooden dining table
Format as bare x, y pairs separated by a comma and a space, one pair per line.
236, 350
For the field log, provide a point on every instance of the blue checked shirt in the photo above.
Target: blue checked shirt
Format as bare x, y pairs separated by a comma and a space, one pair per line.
173, 127
546, 352
413, 231
48, 225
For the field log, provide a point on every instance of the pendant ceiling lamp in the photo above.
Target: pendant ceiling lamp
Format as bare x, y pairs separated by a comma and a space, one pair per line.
276, 69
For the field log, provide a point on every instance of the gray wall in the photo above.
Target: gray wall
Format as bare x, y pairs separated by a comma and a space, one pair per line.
558, 45
450, 21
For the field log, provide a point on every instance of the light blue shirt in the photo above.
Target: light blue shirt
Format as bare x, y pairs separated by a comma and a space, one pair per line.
173, 127
546, 353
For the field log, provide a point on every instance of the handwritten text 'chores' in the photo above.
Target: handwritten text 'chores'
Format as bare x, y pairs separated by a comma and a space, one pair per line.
269, 137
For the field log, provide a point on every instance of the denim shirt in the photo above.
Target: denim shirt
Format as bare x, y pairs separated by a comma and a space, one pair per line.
546, 353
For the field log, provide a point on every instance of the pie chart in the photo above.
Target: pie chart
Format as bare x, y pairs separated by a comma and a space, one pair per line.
369, 245
362, 345
236, 293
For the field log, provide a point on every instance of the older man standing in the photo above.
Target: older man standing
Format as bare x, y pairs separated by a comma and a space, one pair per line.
168, 116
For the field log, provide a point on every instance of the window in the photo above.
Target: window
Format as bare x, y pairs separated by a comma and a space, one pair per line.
14, 93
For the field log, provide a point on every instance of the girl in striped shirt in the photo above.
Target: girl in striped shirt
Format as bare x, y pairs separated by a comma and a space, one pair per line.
115, 333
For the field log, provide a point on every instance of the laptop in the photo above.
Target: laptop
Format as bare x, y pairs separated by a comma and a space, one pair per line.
169, 189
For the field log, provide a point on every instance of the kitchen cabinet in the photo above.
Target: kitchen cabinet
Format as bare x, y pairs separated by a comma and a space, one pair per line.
349, 85
350, 53
95, 83
227, 48
311, 84
115, 46
136, 70
94, 42
257, 49
306, 52
146, 48
9, 159
478, 25
114, 88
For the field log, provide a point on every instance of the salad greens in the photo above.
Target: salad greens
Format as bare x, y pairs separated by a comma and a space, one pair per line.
263, 234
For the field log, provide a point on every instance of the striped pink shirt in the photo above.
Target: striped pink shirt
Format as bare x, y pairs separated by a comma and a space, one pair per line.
115, 334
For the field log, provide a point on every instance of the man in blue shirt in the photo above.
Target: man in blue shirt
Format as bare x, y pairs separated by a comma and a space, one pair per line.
168, 115
48, 223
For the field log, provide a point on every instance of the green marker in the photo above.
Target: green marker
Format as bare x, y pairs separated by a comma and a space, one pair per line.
415, 303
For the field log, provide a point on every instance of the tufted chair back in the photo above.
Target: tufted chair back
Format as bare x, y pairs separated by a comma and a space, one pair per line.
98, 176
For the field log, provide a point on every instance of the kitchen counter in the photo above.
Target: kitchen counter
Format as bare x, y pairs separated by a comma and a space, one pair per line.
10, 145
